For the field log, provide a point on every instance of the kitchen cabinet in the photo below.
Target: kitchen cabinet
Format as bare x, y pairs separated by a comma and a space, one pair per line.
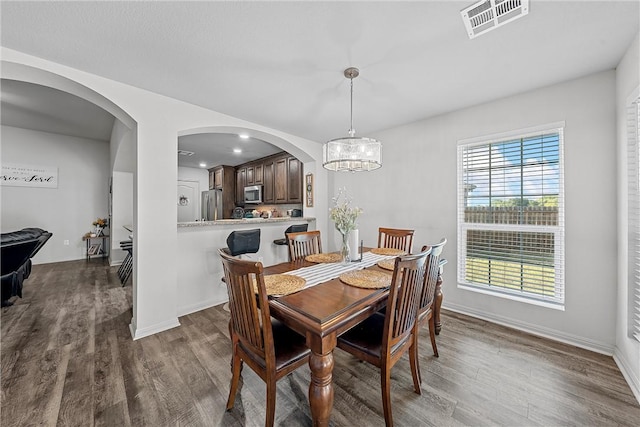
294, 180
267, 191
223, 178
241, 182
249, 176
218, 176
212, 174
258, 174
280, 180
280, 175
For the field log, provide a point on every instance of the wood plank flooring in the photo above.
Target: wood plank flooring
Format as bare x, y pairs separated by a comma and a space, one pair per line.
67, 358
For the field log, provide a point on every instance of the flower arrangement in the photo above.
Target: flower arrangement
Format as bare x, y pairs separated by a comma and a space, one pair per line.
344, 217
342, 214
101, 222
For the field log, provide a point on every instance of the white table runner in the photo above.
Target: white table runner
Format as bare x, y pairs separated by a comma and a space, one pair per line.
324, 272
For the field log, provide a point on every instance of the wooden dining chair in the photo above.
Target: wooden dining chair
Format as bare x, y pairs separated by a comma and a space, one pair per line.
270, 348
427, 299
382, 339
395, 238
303, 244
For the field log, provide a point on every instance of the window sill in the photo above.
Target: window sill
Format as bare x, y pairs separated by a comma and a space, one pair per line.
495, 293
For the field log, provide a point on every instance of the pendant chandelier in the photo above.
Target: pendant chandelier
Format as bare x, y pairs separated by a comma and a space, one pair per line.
351, 153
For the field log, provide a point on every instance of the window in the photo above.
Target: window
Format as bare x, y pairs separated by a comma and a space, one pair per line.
633, 185
511, 215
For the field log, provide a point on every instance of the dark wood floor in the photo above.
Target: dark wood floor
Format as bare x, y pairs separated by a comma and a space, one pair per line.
68, 359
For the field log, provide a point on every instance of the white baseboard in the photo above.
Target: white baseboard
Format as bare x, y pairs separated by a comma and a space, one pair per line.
137, 333
188, 309
627, 373
533, 329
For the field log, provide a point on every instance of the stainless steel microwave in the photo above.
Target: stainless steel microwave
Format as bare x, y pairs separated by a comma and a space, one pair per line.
253, 194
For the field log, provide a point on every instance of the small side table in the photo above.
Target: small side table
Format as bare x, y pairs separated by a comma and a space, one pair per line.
96, 249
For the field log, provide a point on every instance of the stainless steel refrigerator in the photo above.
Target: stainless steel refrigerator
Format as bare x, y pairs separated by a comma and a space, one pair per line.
211, 205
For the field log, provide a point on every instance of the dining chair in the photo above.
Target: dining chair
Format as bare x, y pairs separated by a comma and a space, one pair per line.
270, 348
427, 298
382, 339
303, 244
395, 238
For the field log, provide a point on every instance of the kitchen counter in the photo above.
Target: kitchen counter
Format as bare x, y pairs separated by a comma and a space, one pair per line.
198, 261
244, 221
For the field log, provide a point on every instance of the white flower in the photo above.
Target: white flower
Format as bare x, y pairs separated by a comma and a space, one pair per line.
342, 214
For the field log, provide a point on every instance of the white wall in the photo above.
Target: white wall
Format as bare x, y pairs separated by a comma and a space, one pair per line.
627, 353
121, 213
201, 176
416, 188
66, 211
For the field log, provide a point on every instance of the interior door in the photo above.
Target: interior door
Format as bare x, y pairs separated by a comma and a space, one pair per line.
188, 201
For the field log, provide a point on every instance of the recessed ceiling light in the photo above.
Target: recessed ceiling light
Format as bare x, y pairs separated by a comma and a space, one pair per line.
237, 150
203, 165
244, 136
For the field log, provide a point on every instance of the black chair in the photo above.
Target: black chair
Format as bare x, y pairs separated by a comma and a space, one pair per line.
242, 242
126, 268
296, 228
17, 249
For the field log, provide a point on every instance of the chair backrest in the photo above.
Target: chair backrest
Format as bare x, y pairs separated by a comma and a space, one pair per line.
395, 238
303, 244
250, 318
431, 275
404, 299
296, 228
244, 242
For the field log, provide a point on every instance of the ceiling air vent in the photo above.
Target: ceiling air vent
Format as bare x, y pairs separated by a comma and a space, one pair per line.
185, 153
486, 15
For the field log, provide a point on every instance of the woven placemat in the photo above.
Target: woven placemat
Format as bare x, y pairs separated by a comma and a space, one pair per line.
281, 284
328, 257
387, 251
368, 279
387, 264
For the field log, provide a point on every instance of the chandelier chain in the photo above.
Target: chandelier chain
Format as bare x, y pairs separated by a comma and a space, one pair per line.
352, 131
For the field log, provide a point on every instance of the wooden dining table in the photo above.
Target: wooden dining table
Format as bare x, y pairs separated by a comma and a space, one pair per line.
321, 313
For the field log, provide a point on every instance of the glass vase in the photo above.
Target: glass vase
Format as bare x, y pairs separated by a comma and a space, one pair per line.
344, 252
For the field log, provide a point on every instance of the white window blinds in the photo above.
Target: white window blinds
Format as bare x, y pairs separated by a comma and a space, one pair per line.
511, 215
633, 157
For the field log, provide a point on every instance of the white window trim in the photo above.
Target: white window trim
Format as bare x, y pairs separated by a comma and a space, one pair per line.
633, 219
559, 230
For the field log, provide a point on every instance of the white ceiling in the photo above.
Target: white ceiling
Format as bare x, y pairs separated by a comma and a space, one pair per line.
280, 64
30, 106
217, 149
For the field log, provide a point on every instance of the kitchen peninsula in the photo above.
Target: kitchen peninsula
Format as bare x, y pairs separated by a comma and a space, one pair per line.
199, 265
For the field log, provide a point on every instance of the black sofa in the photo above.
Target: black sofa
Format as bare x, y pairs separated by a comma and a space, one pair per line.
18, 247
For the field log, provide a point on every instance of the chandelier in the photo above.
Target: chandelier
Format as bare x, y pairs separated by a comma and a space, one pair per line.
351, 153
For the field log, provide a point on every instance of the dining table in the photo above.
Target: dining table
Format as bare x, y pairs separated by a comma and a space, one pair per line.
321, 313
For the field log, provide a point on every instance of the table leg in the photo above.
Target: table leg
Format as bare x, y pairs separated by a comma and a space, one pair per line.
438, 303
321, 387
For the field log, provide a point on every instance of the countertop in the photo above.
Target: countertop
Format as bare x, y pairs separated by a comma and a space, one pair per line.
252, 221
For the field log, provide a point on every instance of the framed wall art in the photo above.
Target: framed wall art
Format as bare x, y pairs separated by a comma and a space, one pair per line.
308, 185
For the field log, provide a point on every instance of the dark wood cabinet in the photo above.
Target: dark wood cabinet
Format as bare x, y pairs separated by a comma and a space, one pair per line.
258, 174
280, 176
218, 177
280, 180
223, 178
267, 191
294, 180
241, 182
212, 173
249, 176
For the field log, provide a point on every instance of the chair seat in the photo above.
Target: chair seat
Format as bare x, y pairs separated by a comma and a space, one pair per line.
289, 345
365, 337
